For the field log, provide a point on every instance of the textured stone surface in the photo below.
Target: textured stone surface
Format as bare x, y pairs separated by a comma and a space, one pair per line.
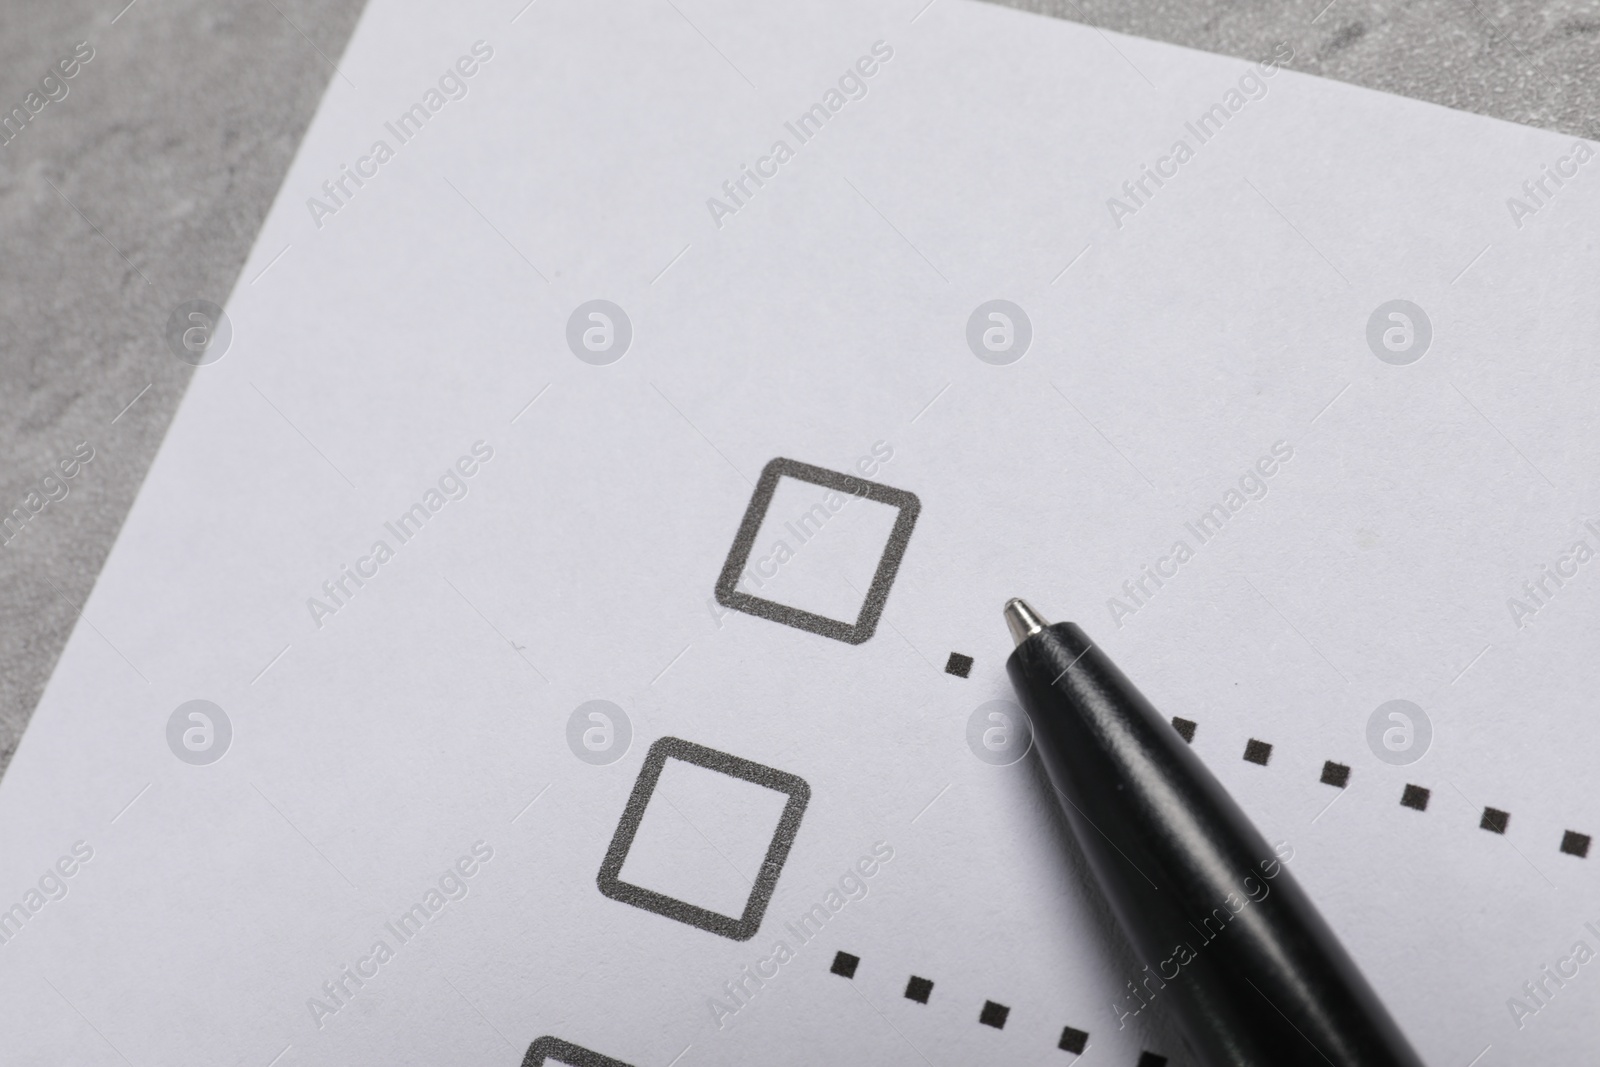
1526, 62
171, 144
143, 186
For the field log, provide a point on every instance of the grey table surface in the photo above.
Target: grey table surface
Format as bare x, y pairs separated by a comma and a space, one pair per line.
145, 186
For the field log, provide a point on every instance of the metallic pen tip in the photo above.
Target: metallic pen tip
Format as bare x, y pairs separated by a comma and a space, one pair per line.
1022, 620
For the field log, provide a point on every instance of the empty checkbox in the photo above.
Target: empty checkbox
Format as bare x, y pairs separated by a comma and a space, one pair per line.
818, 550
548, 1050
704, 837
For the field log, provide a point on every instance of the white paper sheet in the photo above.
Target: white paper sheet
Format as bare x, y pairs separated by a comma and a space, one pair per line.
399, 770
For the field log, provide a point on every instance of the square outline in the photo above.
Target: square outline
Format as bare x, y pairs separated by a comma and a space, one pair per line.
743, 928
866, 624
548, 1047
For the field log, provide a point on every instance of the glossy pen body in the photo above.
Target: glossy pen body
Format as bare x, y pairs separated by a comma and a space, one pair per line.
1230, 942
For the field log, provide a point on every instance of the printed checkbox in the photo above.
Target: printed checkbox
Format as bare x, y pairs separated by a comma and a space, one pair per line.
655, 861
547, 1050
759, 576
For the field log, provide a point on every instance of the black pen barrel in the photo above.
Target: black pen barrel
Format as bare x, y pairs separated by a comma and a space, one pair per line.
1233, 948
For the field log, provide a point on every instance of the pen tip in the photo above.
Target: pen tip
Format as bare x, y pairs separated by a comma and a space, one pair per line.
1022, 620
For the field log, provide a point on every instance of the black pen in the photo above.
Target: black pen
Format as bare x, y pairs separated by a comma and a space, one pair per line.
1231, 945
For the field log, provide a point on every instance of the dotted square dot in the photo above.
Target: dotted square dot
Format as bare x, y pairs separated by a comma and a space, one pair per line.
1185, 728
844, 964
1150, 1059
919, 989
1414, 796
1575, 844
1073, 1041
1257, 752
1494, 820
958, 665
1335, 774
993, 1014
